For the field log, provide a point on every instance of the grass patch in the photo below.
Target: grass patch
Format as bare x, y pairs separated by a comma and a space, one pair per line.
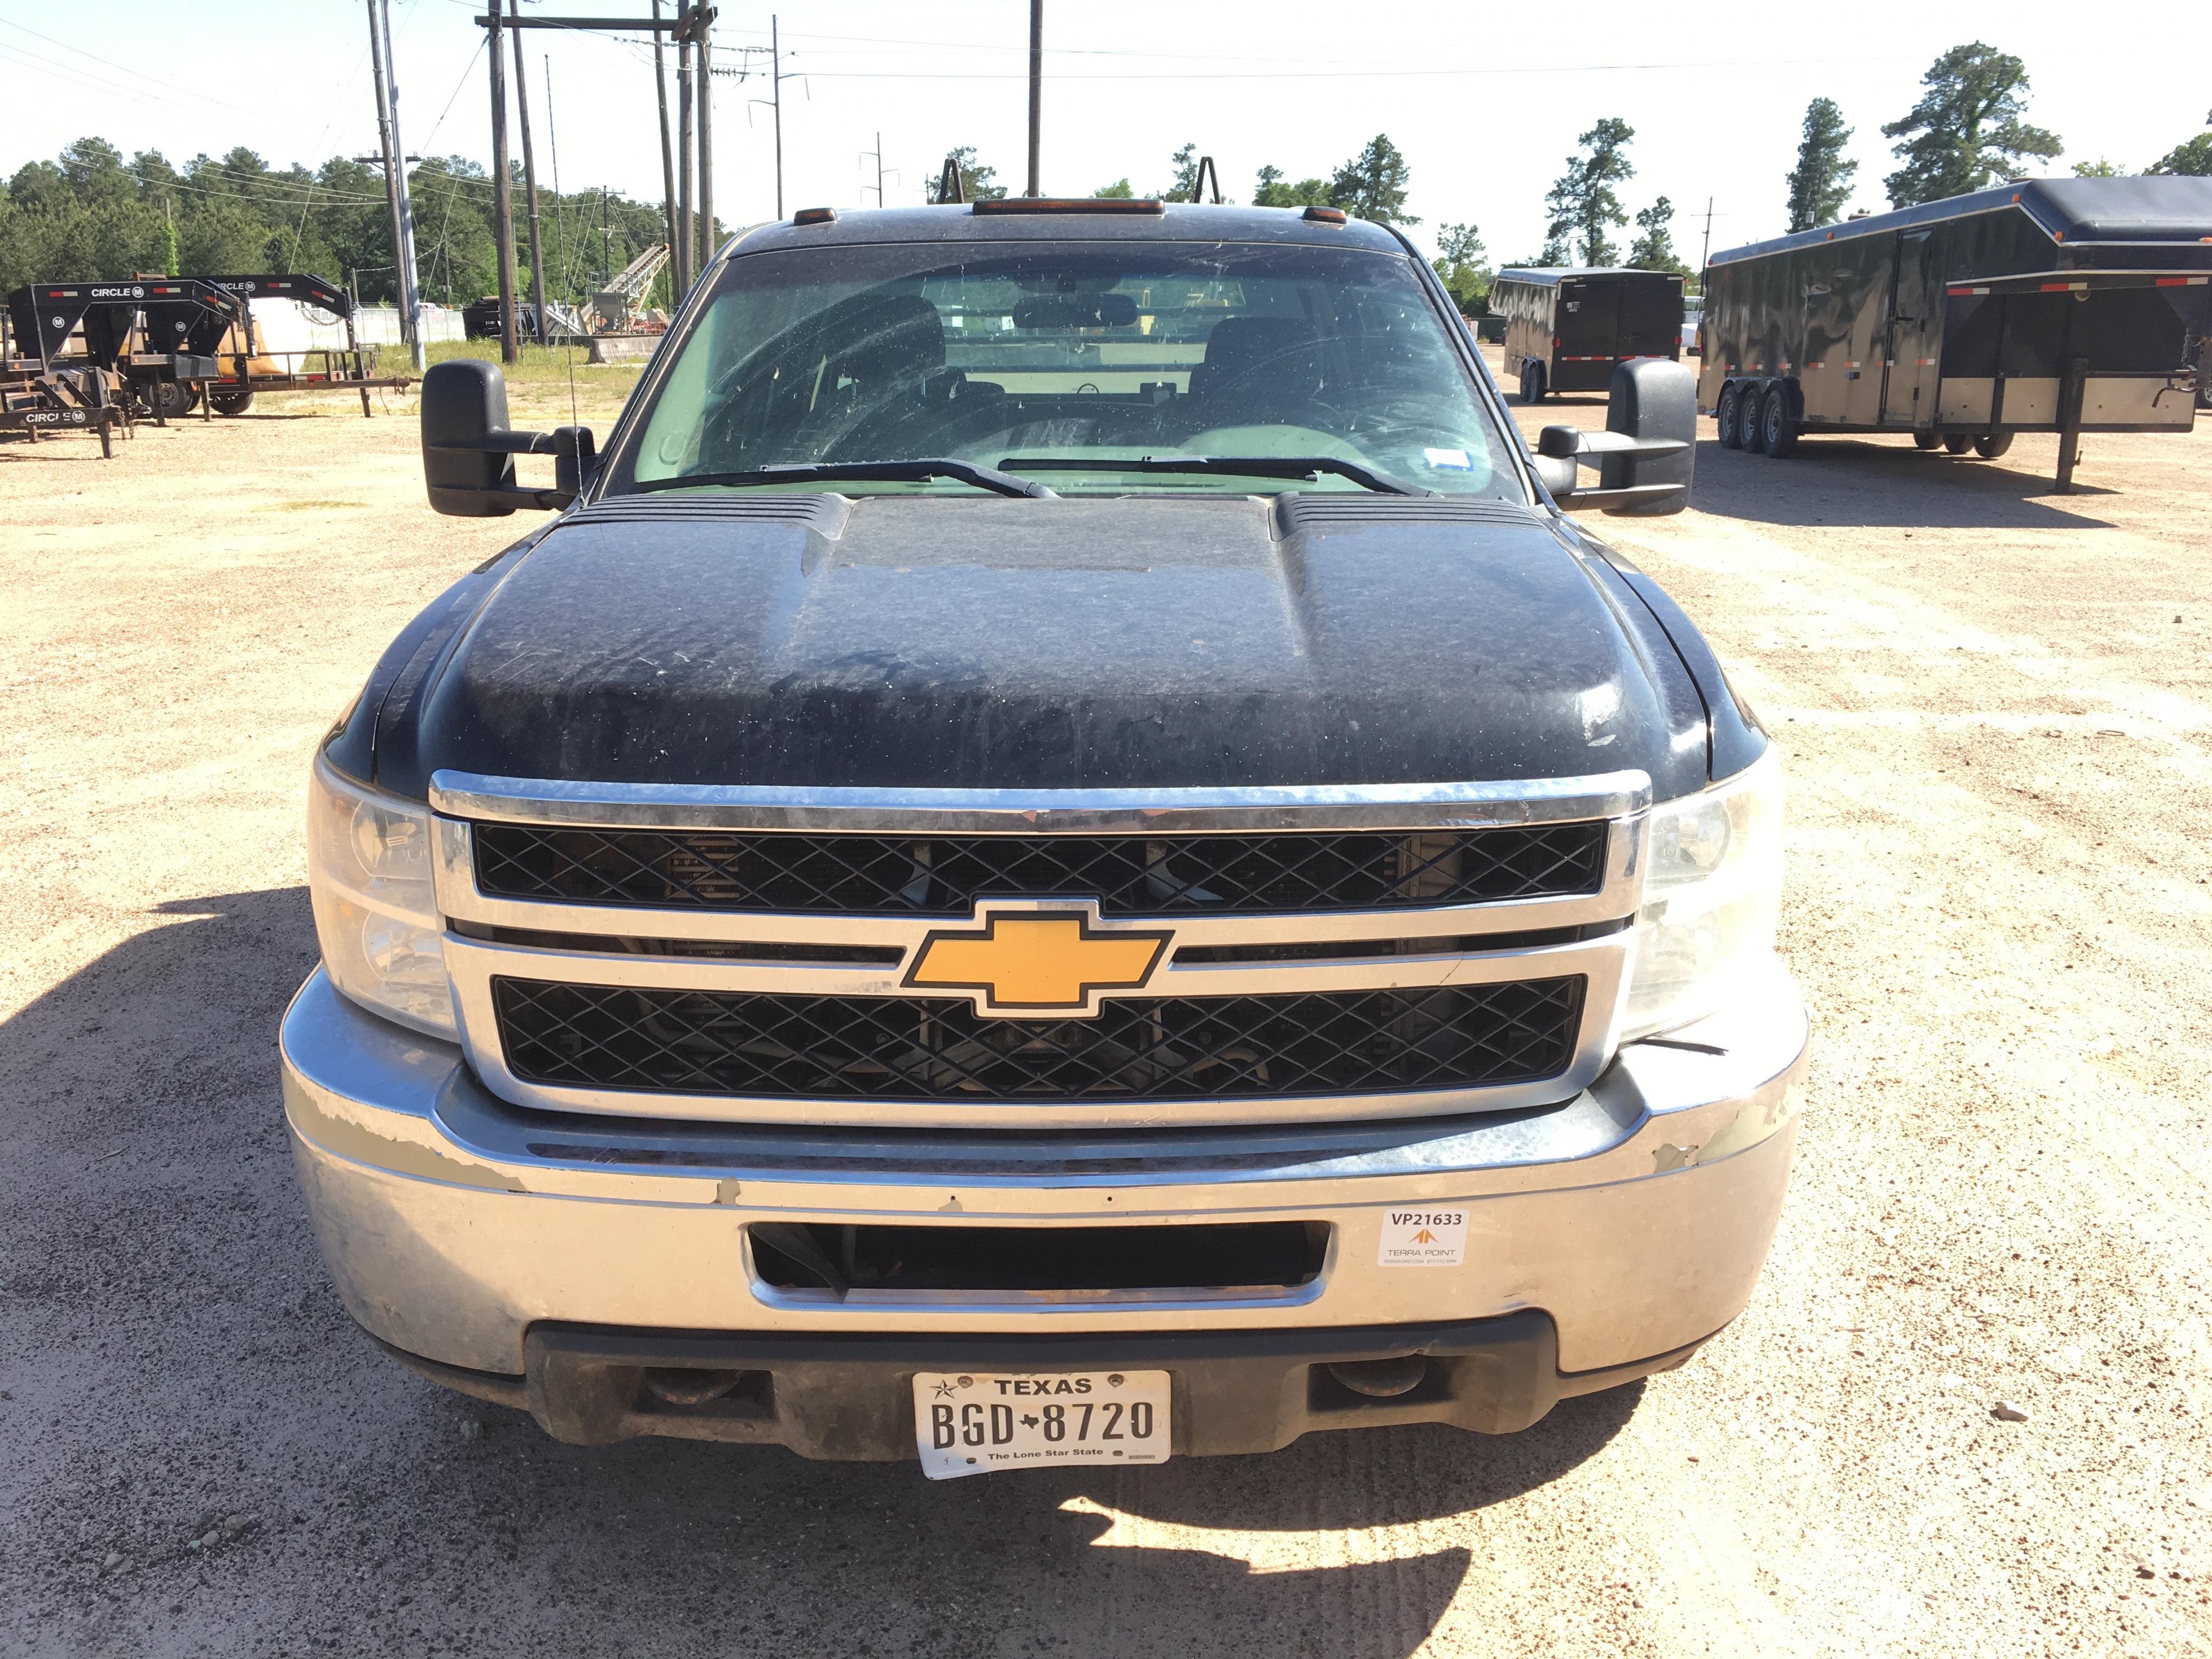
542, 366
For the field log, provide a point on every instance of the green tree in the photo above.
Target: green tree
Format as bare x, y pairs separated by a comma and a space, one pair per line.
2193, 159
2100, 168
1118, 191
1372, 185
1822, 182
1183, 187
1584, 205
978, 183
1966, 130
1463, 265
1271, 189
1654, 248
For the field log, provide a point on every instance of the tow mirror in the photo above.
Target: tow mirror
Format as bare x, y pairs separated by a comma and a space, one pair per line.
1645, 456
468, 450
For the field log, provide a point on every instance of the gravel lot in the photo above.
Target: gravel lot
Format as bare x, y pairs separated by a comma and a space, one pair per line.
1996, 704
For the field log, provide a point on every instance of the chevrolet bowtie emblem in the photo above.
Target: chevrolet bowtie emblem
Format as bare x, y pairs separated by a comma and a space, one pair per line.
1034, 959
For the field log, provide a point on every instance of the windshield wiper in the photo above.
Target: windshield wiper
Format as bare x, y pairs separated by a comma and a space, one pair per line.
1305, 467
967, 472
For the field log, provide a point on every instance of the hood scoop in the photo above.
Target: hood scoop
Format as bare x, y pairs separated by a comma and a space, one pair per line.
823, 513
1296, 511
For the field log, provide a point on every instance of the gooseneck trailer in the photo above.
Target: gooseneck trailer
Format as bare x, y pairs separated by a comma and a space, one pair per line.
2048, 305
1567, 330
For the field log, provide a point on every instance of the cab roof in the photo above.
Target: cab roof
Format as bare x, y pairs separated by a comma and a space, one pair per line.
1111, 221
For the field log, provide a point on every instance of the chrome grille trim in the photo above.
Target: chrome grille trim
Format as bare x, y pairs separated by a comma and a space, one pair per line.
1039, 812
472, 964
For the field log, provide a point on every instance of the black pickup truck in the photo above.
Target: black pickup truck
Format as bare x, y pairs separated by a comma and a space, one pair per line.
1060, 855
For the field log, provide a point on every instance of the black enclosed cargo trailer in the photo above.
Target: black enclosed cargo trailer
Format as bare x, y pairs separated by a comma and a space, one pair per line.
1567, 330
2048, 305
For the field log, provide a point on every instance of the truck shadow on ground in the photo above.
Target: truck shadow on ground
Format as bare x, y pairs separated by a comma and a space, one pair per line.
173, 1355
1837, 481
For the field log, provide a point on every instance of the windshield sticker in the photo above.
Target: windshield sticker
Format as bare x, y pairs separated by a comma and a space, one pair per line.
1457, 459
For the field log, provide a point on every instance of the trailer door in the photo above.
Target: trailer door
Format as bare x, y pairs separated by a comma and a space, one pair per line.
1916, 333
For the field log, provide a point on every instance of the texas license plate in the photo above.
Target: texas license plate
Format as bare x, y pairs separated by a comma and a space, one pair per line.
978, 1422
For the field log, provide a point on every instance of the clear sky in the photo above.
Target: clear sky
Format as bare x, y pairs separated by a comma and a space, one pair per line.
1486, 102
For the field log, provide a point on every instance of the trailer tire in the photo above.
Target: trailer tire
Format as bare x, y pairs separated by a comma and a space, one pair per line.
1927, 441
167, 400
1955, 443
1990, 445
1728, 418
1777, 432
1532, 383
1749, 410
231, 403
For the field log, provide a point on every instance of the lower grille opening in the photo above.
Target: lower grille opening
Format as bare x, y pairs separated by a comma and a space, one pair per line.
1263, 1256
768, 1045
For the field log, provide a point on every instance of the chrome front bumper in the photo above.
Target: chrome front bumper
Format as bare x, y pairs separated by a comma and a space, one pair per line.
1636, 1214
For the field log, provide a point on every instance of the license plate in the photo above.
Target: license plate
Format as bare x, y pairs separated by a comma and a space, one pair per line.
979, 1423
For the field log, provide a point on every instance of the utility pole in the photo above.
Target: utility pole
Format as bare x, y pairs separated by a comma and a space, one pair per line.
688, 228
1708, 248
529, 173
1036, 90
775, 63
878, 152
667, 156
502, 195
703, 21
564, 257
405, 280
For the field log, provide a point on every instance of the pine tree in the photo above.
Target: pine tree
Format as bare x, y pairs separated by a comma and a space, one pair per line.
976, 180
1582, 203
1270, 189
1822, 183
1463, 265
1966, 130
1654, 248
1372, 183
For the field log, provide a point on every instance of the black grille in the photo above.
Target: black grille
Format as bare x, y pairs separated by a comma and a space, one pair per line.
946, 875
1164, 1047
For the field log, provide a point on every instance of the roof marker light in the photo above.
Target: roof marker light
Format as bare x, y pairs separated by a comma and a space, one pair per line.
814, 216
1325, 215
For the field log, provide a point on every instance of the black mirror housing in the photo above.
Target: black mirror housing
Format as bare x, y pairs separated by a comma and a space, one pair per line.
464, 402
1645, 456
468, 450
1654, 401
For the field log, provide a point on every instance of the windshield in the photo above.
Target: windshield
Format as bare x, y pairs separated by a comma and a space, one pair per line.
996, 354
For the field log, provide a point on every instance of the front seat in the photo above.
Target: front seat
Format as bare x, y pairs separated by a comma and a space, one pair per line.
1259, 370
890, 350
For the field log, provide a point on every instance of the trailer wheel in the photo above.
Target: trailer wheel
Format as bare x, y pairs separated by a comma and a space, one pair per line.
166, 400
1748, 422
1532, 383
1777, 433
1990, 445
1728, 419
231, 403
1955, 443
1927, 441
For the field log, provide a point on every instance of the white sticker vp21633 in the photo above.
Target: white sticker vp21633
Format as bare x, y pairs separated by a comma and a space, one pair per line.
1422, 1238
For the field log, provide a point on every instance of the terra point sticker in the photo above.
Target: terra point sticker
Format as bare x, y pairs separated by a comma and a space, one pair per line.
1422, 1238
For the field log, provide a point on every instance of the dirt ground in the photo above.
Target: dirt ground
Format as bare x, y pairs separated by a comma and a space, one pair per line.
1995, 704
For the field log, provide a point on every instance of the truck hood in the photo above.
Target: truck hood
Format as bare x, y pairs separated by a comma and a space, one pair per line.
929, 641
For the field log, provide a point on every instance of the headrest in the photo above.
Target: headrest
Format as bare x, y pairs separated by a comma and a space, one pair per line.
887, 338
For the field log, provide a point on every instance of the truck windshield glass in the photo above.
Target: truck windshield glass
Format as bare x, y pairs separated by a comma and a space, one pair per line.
992, 353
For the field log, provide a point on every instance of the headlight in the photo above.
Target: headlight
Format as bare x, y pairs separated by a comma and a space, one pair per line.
1712, 888
376, 914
